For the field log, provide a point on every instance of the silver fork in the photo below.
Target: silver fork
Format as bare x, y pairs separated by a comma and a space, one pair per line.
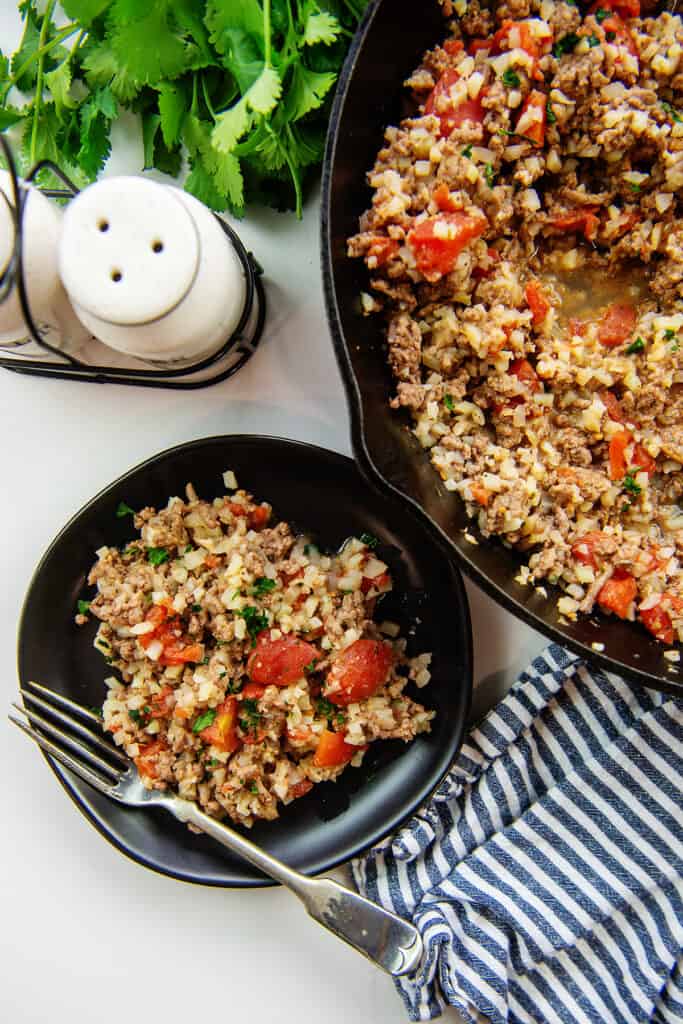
390, 942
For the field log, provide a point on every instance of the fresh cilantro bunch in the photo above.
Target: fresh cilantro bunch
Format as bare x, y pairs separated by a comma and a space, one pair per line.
241, 87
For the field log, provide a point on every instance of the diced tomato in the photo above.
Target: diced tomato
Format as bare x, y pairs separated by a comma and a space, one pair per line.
452, 115
616, 27
237, 509
212, 561
442, 198
333, 750
617, 459
657, 621
381, 250
537, 302
643, 460
157, 614
479, 493
161, 704
583, 549
618, 593
301, 789
584, 220
475, 45
381, 582
436, 255
614, 410
617, 324
222, 731
258, 517
253, 691
524, 371
181, 654
146, 761
531, 121
577, 327
624, 8
280, 662
359, 670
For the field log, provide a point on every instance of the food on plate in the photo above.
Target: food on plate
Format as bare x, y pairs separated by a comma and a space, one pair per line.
249, 665
525, 246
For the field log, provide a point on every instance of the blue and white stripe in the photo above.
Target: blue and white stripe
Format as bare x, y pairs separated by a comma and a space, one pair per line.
546, 876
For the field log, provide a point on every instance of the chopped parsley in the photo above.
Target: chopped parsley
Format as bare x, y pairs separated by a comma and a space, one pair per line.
674, 115
489, 174
629, 483
467, 151
83, 607
634, 186
675, 347
97, 711
252, 716
157, 555
310, 549
311, 665
147, 709
601, 14
196, 607
510, 79
329, 711
592, 41
369, 539
256, 621
505, 132
213, 762
132, 550
636, 346
135, 715
263, 585
610, 36
123, 510
448, 402
188, 549
204, 721
565, 44
205, 660
669, 333
253, 787
550, 114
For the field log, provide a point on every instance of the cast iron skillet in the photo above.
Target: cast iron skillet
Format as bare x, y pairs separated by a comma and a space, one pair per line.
370, 96
324, 493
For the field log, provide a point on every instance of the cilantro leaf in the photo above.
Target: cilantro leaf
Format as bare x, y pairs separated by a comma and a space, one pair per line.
449, 403
256, 621
262, 585
172, 108
146, 43
467, 151
83, 607
510, 79
636, 346
157, 556
319, 27
123, 510
307, 90
95, 116
566, 44
84, 11
204, 721
58, 82
369, 539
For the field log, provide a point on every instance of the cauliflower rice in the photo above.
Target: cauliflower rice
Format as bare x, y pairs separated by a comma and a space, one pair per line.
525, 246
249, 665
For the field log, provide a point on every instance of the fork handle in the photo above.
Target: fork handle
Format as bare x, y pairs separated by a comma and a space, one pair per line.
390, 942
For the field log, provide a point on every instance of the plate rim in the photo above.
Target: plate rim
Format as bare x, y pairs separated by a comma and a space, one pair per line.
446, 761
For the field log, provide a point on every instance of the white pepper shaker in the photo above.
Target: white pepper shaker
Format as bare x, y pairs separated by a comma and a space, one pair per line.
150, 271
47, 301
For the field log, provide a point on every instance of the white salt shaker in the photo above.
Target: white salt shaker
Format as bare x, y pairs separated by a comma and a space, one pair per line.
150, 271
48, 303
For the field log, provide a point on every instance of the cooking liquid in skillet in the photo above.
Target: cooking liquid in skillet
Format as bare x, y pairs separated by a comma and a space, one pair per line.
586, 293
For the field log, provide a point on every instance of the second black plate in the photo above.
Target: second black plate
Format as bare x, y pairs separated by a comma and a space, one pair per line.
323, 493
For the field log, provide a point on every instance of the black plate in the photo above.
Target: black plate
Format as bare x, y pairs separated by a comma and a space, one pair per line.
370, 95
324, 493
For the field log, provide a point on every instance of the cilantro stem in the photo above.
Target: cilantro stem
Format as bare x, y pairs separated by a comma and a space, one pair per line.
293, 171
67, 31
44, 28
207, 98
266, 32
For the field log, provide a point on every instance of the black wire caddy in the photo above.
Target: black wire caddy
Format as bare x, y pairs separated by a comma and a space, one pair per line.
37, 356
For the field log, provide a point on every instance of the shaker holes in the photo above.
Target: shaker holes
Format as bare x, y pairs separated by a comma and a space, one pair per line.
103, 225
116, 275
157, 246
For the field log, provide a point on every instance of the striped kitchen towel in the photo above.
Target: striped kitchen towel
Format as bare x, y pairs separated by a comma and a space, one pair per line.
546, 876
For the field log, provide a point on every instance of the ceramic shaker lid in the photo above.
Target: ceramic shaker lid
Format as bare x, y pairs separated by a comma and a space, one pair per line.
129, 250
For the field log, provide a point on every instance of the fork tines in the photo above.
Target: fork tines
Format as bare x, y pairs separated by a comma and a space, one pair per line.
58, 742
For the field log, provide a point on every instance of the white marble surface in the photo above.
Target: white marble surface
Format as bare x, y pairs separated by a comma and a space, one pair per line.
84, 931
